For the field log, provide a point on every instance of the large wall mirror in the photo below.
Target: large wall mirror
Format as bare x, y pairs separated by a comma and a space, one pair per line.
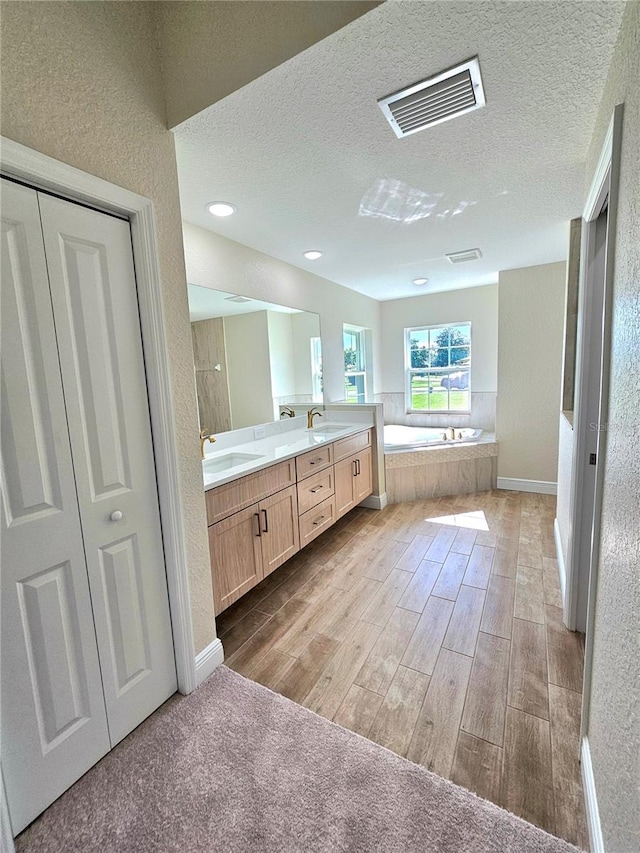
251, 358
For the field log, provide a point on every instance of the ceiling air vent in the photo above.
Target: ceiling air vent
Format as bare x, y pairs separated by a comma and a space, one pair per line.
466, 255
447, 95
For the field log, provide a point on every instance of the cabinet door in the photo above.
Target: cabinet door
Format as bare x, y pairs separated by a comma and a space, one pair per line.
236, 556
363, 482
279, 528
345, 475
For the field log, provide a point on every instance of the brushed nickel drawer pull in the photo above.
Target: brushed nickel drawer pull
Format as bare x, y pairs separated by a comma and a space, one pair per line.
318, 520
317, 489
314, 461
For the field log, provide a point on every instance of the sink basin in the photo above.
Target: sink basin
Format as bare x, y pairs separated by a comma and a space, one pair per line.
225, 463
329, 428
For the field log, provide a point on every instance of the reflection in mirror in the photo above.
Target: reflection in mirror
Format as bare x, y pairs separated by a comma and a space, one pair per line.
251, 358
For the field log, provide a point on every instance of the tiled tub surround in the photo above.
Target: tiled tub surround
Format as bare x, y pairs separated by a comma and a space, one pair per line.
482, 416
443, 470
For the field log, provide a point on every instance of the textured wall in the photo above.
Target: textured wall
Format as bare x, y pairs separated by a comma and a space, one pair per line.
614, 723
81, 83
477, 304
201, 44
530, 340
213, 261
565, 460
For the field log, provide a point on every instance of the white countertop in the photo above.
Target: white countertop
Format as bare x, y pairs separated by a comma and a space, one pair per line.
269, 450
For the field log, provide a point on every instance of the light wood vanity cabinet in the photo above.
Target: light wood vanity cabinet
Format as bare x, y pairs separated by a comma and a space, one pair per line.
353, 477
257, 522
250, 544
353, 471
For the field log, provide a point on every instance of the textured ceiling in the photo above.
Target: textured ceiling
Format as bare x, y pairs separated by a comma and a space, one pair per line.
307, 157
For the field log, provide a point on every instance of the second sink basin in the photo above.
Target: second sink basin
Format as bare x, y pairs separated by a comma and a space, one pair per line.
231, 460
330, 427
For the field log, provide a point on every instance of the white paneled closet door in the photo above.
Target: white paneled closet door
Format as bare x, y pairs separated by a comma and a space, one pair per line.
95, 308
54, 724
87, 648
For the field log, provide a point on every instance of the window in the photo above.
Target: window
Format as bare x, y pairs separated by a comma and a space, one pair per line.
438, 368
354, 364
316, 369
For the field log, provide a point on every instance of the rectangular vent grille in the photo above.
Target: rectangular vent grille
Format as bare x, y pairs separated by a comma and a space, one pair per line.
440, 98
466, 255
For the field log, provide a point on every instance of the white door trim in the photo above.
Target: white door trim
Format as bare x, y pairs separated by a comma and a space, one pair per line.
6, 833
604, 184
42, 172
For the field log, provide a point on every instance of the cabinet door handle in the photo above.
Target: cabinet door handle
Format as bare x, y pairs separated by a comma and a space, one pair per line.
355, 468
318, 520
257, 517
317, 489
265, 529
358, 467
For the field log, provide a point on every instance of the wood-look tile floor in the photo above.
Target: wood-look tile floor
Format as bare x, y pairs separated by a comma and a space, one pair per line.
435, 629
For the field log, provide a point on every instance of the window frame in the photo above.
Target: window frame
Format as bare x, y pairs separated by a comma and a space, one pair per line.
409, 371
348, 328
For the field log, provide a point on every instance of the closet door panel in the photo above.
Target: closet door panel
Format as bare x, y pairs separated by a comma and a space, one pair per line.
95, 307
53, 717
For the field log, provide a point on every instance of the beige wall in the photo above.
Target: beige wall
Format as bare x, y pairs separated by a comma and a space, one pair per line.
81, 83
250, 394
530, 343
211, 49
221, 264
477, 304
614, 722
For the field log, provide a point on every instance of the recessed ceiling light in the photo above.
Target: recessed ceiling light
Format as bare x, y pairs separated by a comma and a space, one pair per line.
221, 208
312, 255
237, 299
420, 280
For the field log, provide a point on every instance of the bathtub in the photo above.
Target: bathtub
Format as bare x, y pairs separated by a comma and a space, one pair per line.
398, 438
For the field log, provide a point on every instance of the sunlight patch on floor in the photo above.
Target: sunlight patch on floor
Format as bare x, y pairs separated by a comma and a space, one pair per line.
474, 520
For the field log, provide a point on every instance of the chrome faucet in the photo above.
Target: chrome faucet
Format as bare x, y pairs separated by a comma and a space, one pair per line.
311, 415
285, 411
204, 436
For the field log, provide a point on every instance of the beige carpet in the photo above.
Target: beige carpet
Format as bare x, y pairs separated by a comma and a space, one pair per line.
235, 767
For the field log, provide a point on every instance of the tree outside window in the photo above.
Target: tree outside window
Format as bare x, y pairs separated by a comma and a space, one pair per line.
438, 368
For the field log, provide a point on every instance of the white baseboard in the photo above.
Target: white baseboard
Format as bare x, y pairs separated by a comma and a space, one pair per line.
375, 501
540, 487
596, 844
208, 660
560, 557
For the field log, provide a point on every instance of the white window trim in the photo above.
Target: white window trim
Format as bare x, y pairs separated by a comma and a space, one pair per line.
408, 369
361, 331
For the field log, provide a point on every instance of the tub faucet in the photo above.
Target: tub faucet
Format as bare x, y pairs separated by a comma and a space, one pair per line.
204, 436
287, 412
311, 415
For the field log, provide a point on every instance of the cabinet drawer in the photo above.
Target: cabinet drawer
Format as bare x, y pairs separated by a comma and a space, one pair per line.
348, 446
224, 500
314, 522
315, 489
313, 461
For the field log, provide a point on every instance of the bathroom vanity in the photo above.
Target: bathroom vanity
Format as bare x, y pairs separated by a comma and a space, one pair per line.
267, 499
